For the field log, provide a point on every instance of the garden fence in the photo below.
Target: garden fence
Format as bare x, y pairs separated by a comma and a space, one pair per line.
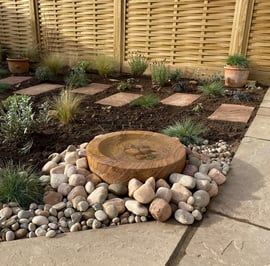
195, 36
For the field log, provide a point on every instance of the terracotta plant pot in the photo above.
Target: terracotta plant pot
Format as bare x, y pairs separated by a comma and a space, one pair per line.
18, 65
235, 77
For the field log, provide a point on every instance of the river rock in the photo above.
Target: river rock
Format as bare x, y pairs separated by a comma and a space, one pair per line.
160, 209
40, 220
190, 170
76, 217
25, 214
9, 236
75, 227
52, 197
96, 224
217, 176
215, 164
151, 181
77, 180
144, 194
118, 203
213, 190
57, 179
164, 193
162, 183
6, 212
194, 161
200, 175
185, 180
203, 184
82, 163
21, 233
111, 211
202, 199
82, 206
64, 189
76, 201
48, 166
133, 185
90, 213
136, 208
40, 231
89, 187
204, 168
100, 215
77, 191
179, 193
68, 212
55, 157
59, 206
51, 234
118, 189
197, 215
185, 206
183, 217
99, 195
70, 169
71, 157
93, 178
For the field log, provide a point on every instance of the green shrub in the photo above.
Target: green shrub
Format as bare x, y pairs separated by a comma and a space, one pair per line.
19, 184
186, 131
5, 87
55, 63
3, 73
237, 60
18, 120
104, 65
43, 73
77, 76
122, 86
175, 75
138, 64
159, 73
215, 88
66, 106
147, 101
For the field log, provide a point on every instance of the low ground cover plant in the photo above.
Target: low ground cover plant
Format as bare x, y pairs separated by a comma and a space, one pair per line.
147, 101
104, 65
19, 184
77, 76
186, 131
215, 88
5, 87
138, 63
55, 63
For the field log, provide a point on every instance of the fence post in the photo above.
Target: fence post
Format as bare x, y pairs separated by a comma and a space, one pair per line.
119, 31
241, 26
34, 21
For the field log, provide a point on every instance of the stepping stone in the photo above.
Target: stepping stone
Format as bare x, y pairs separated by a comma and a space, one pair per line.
92, 89
232, 112
180, 99
39, 89
119, 99
12, 80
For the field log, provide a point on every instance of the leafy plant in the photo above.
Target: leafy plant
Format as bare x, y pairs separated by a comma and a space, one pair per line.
77, 77
215, 88
122, 86
3, 73
186, 131
43, 73
104, 65
18, 120
237, 60
19, 184
198, 108
138, 64
55, 63
159, 73
147, 101
5, 87
175, 75
66, 106
181, 86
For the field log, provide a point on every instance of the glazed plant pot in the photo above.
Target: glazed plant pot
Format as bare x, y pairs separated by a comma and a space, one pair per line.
235, 77
18, 65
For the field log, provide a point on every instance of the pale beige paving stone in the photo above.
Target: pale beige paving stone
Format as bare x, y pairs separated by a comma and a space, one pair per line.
232, 112
39, 89
119, 99
12, 80
180, 99
223, 241
263, 111
92, 88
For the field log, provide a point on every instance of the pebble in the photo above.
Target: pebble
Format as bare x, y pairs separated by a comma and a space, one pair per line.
75, 227
59, 206
185, 180
133, 185
70, 169
200, 175
81, 162
213, 190
185, 206
82, 206
197, 215
164, 193
77, 191
203, 184
202, 198
40, 220
76, 217
89, 187
179, 193
57, 179
96, 224
76, 201
118, 203
118, 189
99, 195
144, 194
162, 183
55, 157
190, 170
48, 166
71, 157
131, 219
217, 176
9, 236
21, 233
77, 180
101, 215
151, 181
136, 208
6, 212
64, 189
111, 211
183, 217
32, 227
160, 209
51, 234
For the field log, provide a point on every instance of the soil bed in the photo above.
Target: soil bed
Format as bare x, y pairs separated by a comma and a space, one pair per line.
95, 119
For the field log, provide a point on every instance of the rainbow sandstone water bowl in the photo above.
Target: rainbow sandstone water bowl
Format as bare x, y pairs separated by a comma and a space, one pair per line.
120, 156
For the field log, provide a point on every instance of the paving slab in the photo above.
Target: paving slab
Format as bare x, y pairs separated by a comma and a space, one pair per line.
223, 241
232, 112
246, 194
263, 111
147, 244
119, 99
39, 89
12, 80
92, 88
260, 128
181, 99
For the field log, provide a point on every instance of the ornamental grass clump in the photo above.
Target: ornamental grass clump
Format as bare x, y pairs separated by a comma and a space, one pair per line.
138, 64
186, 131
66, 106
19, 184
55, 63
147, 101
104, 65
215, 88
159, 73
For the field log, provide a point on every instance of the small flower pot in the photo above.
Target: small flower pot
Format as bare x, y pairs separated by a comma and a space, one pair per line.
18, 65
235, 77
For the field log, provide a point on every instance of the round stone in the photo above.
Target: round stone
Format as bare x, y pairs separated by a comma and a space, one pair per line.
96, 224
21, 233
76, 217
160, 209
118, 189
6, 212
201, 198
162, 183
64, 189
77, 191
101, 215
48, 166
111, 211
179, 193
136, 208
25, 214
133, 185
118, 203
99, 195
10, 236
183, 217
75, 227
77, 180
217, 176
203, 184
82, 206
185, 206
89, 187
51, 234
190, 170
197, 215
164, 193
144, 194
52, 197
40, 220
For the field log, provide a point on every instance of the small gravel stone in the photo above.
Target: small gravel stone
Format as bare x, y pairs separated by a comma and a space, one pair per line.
190, 200
164, 193
40, 220
202, 198
89, 187
32, 227
131, 218
75, 227
9, 236
82, 206
144, 194
136, 208
6, 212
185, 206
59, 206
183, 217
96, 224
51, 234
197, 215
118, 189
40, 232
76, 217
101, 215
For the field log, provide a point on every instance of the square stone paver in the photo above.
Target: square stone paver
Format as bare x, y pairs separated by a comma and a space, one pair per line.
119, 99
180, 99
12, 80
39, 89
260, 128
92, 88
223, 241
232, 112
